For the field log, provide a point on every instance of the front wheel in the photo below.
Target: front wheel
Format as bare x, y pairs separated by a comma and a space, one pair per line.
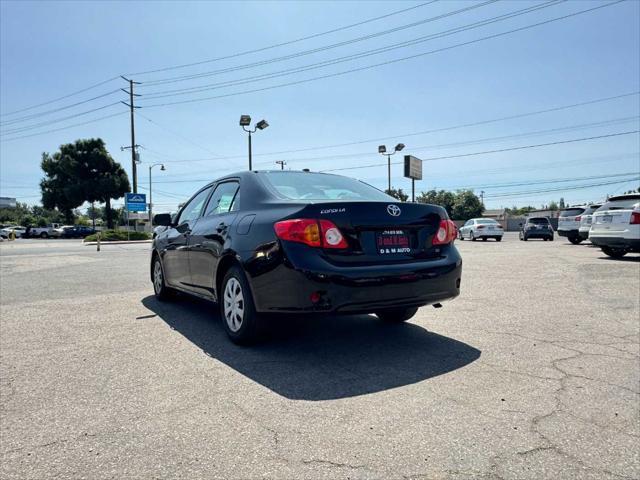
159, 286
575, 240
239, 316
498, 239
614, 252
472, 237
396, 315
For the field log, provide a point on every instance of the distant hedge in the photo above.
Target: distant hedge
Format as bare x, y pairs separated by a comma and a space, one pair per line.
117, 235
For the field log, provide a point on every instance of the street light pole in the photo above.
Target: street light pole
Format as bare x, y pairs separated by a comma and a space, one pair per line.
382, 149
150, 192
282, 163
245, 121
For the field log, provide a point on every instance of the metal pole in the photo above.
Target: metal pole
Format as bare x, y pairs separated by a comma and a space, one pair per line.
413, 190
250, 166
389, 172
150, 200
134, 168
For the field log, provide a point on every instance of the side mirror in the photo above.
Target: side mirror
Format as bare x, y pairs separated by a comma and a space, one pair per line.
162, 219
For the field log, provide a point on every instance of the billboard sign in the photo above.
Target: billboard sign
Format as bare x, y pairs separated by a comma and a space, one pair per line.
412, 167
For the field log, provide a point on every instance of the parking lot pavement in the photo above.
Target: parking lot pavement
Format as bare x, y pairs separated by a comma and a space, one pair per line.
533, 372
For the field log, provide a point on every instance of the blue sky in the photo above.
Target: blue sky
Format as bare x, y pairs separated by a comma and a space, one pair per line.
50, 49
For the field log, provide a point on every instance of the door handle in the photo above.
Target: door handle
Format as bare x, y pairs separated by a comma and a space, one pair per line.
222, 227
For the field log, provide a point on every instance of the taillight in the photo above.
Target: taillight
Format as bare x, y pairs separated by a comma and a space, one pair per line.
446, 233
480, 227
315, 233
635, 218
578, 218
499, 226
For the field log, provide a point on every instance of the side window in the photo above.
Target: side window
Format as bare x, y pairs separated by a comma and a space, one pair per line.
225, 198
193, 209
469, 222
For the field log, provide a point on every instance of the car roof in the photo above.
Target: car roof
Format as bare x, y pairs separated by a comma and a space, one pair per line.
628, 196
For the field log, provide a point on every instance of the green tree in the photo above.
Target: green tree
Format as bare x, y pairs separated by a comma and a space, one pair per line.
82, 171
443, 198
467, 205
397, 193
553, 206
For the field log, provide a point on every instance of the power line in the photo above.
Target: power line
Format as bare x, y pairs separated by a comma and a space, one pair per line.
282, 44
64, 128
617, 134
59, 98
541, 182
303, 53
389, 62
561, 189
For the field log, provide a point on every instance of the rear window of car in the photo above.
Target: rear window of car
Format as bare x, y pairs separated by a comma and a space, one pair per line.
590, 209
629, 203
571, 212
321, 186
485, 220
539, 221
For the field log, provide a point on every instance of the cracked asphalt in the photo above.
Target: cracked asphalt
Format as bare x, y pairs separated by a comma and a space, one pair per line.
532, 373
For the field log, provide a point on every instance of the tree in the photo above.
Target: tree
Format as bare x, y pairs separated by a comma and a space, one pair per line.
443, 198
562, 204
82, 171
467, 205
399, 194
553, 206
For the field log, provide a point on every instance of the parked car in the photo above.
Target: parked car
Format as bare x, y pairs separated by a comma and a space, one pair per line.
616, 226
536, 227
73, 231
43, 232
59, 232
302, 242
481, 228
585, 221
17, 229
569, 223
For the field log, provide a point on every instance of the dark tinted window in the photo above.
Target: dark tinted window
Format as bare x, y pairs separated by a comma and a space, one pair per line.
485, 221
320, 186
224, 199
539, 221
571, 212
193, 209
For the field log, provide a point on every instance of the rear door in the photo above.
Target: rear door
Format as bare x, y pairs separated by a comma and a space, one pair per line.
211, 235
175, 257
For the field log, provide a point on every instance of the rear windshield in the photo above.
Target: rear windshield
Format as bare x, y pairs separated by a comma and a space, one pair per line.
486, 220
539, 221
628, 203
321, 186
571, 212
590, 209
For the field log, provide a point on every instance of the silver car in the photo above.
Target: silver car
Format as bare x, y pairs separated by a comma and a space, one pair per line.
481, 228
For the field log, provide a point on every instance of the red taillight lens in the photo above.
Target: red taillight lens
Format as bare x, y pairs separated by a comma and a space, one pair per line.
480, 227
578, 218
312, 232
635, 218
446, 233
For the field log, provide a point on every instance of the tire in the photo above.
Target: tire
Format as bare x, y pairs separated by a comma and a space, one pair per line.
551, 239
237, 309
472, 237
484, 239
498, 239
396, 315
545, 239
160, 288
460, 236
575, 240
614, 252
524, 237
44, 235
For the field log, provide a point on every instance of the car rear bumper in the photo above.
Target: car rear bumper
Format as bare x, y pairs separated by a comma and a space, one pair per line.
358, 289
616, 242
569, 233
539, 234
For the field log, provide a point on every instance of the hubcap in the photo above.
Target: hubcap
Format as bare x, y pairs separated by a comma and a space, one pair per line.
157, 276
233, 304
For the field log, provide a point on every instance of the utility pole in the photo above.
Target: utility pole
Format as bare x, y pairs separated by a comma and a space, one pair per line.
482, 197
282, 163
134, 168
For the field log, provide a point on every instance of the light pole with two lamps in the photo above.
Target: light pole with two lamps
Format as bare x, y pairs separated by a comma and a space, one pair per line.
382, 150
245, 121
150, 196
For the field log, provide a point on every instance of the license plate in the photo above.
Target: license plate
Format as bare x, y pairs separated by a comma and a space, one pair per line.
607, 218
390, 242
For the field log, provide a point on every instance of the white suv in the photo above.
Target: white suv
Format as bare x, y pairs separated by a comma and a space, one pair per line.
569, 223
585, 221
616, 225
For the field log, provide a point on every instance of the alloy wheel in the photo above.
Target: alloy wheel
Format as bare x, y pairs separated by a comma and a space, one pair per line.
233, 304
157, 277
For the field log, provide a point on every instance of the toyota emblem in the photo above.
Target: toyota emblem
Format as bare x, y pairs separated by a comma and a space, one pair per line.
393, 210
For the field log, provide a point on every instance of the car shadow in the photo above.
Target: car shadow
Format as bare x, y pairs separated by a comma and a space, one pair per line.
626, 258
320, 358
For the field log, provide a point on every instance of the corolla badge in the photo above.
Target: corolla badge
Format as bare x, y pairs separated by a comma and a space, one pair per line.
393, 210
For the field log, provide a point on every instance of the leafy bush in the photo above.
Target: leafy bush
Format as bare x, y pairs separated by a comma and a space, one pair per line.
117, 235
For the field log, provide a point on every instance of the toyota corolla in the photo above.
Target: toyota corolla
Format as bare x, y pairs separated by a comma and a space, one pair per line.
265, 242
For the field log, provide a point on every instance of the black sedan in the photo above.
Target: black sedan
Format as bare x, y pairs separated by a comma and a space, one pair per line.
301, 242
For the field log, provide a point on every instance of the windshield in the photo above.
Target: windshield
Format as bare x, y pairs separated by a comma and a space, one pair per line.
571, 212
539, 221
321, 186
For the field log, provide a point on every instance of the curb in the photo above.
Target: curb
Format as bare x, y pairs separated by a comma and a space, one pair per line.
116, 242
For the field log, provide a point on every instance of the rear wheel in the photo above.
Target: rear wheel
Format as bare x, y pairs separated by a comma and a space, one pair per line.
498, 239
44, 235
396, 315
472, 237
159, 286
524, 237
614, 252
237, 309
575, 240
484, 239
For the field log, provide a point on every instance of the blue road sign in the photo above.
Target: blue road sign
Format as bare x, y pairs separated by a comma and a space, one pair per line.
136, 202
